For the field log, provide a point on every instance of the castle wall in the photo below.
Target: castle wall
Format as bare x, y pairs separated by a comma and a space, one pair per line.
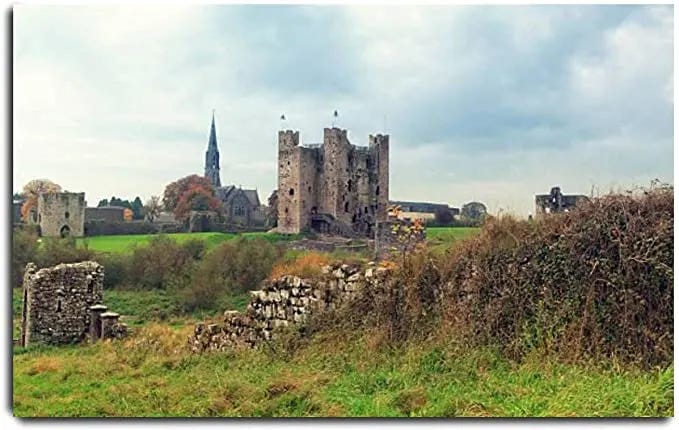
61, 212
347, 182
57, 301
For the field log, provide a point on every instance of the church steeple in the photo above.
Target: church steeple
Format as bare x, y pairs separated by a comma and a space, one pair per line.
212, 156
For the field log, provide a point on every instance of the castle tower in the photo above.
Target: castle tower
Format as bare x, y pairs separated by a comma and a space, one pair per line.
212, 157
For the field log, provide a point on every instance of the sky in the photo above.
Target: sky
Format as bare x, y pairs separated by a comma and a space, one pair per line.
486, 103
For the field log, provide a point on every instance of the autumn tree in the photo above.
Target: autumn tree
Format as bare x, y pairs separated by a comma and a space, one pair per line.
191, 193
195, 199
174, 190
152, 208
128, 214
32, 190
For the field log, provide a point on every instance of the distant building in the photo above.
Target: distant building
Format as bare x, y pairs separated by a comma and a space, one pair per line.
556, 202
423, 210
241, 206
105, 213
61, 214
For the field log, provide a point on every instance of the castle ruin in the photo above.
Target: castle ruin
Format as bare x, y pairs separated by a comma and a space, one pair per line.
334, 187
61, 214
555, 202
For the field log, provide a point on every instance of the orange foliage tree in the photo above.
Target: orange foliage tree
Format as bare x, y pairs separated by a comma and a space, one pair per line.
175, 190
128, 214
191, 193
32, 190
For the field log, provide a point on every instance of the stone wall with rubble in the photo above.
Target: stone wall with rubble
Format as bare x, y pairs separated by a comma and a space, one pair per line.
286, 301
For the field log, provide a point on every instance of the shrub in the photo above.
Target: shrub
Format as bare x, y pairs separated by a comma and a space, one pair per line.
160, 264
116, 269
24, 250
53, 251
592, 283
233, 267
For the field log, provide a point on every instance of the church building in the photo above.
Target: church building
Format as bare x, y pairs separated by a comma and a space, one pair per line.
241, 206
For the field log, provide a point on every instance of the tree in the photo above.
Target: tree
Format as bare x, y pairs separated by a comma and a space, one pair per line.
138, 208
443, 216
195, 198
128, 214
474, 211
152, 208
175, 190
102, 203
32, 190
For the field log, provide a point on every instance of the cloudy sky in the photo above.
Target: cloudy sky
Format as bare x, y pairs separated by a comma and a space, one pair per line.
482, 103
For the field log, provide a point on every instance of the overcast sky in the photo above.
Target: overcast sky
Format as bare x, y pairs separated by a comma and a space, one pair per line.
494, 104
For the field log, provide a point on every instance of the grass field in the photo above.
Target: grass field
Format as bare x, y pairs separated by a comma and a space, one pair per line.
436, 236
125, 243
152, 374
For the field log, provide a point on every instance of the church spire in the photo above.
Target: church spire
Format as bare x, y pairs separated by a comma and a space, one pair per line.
212, 156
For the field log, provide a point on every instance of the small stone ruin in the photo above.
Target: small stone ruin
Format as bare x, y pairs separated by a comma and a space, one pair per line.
62, 305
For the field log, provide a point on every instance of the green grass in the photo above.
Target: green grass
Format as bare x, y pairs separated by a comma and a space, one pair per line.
125, 243
441, 238
152, 374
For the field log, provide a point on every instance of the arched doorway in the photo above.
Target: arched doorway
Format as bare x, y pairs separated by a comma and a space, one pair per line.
65, 231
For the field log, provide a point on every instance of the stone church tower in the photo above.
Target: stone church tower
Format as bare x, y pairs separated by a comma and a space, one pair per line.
212, 157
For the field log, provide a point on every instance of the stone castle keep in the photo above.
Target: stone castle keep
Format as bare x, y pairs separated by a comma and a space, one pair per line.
334, 187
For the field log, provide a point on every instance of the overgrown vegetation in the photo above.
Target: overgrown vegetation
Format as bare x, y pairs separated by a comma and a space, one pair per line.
593, 283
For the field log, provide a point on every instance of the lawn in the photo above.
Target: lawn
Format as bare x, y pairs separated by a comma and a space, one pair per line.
152, 374
124, 243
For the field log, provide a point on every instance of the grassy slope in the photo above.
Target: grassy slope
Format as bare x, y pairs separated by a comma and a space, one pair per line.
152, 375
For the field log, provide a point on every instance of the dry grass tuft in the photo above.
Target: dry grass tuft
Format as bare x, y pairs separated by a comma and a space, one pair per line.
307, 265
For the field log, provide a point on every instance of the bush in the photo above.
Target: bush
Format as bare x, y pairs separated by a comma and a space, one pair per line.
233, 267
161, 264
24, 250
53, 251
592, 283
116, 269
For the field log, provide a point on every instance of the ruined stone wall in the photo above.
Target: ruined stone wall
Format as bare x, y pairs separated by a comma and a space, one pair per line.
285, 301
56, 302
346, 182
61, 214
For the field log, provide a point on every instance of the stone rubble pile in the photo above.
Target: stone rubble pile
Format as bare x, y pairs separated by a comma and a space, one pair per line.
281, 302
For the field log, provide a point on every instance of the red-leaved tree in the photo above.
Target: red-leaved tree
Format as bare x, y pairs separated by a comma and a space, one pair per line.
191, 193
